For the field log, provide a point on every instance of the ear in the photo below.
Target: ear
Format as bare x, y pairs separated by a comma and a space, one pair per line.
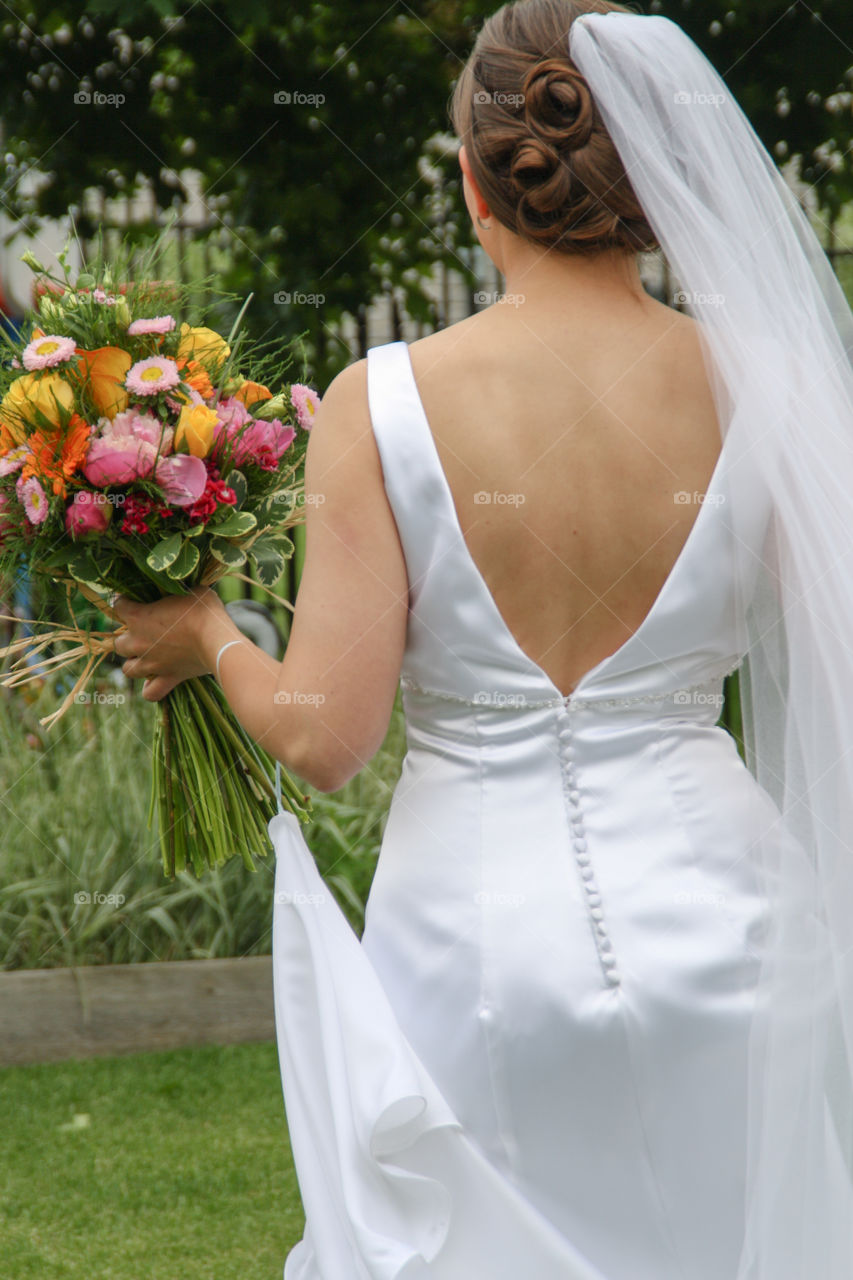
465, 165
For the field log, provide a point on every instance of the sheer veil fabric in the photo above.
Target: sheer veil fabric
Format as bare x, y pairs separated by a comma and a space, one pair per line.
777, 333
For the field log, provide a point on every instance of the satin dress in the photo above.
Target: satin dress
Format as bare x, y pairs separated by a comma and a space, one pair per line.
534, 1063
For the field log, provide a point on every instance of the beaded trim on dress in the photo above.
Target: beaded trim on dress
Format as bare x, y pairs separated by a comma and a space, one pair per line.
408, 684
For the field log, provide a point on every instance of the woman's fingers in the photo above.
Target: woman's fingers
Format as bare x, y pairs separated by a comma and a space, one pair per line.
156, 688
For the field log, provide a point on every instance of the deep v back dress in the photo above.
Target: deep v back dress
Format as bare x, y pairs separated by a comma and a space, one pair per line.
535, 1060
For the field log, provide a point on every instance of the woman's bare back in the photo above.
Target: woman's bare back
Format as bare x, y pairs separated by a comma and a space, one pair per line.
568, 449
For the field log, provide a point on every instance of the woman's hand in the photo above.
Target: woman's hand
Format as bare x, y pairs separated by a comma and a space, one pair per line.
172, 639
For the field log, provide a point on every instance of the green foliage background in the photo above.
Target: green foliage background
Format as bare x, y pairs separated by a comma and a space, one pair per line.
328, 197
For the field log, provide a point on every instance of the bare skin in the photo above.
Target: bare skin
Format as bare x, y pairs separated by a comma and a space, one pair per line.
590, 401
579, 393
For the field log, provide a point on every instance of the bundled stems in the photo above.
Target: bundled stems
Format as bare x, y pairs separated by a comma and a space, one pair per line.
215, 784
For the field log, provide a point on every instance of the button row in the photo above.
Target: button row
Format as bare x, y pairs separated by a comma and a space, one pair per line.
593, 897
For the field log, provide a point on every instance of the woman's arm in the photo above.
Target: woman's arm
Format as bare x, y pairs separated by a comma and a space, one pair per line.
324, 709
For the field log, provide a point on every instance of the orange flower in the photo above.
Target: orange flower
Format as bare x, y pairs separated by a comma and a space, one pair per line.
196, 376
104, 371
251, 392
7, 439
55, 456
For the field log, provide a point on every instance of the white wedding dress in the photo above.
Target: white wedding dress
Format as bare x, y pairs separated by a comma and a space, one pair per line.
535, 1061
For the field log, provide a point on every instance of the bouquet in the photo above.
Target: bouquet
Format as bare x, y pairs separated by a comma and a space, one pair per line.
137, 456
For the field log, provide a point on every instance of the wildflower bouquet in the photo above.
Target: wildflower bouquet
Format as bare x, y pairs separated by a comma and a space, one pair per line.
136, 457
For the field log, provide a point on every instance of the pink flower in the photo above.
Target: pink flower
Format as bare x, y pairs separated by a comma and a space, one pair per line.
89, 512
262, 443
108, 298
44, 353
33, 499
156, 324
148, 377
13, 460
233, 417
118, 459
142, 425
306, 403
182, 478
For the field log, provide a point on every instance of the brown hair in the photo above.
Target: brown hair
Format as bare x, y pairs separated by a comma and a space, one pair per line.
537, 146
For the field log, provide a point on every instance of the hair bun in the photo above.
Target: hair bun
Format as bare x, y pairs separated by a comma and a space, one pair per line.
558, 105
538, 147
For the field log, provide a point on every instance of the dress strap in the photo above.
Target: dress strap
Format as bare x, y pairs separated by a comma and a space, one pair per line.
413, 480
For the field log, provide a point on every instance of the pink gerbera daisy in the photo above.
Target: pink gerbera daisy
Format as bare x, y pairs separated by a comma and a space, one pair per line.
44, 353
306, 403
148, 377
33, 499
13, 460
154, 324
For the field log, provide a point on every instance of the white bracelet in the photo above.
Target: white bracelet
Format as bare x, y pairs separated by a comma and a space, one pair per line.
227, 645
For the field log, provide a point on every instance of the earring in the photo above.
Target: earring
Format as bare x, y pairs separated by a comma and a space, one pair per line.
484, 225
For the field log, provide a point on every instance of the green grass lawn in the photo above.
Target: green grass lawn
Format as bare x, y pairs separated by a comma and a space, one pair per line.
183, 1171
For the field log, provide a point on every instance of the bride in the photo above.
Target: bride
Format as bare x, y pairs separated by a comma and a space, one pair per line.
599, 1024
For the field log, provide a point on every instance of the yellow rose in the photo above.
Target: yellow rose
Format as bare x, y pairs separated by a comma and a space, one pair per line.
29, 396
195, 429
202, 344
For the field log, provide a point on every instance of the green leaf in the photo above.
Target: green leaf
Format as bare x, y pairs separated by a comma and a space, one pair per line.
57, 559
82, 565
184, 563
237, 481
275, 541
227, 552
268, 562
135, 550
276, 506
235, 524
165, 553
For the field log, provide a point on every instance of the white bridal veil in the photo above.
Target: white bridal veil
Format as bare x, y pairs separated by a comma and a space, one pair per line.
777, 333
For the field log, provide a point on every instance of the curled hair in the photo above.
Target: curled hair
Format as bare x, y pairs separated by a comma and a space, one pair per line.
538, 148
